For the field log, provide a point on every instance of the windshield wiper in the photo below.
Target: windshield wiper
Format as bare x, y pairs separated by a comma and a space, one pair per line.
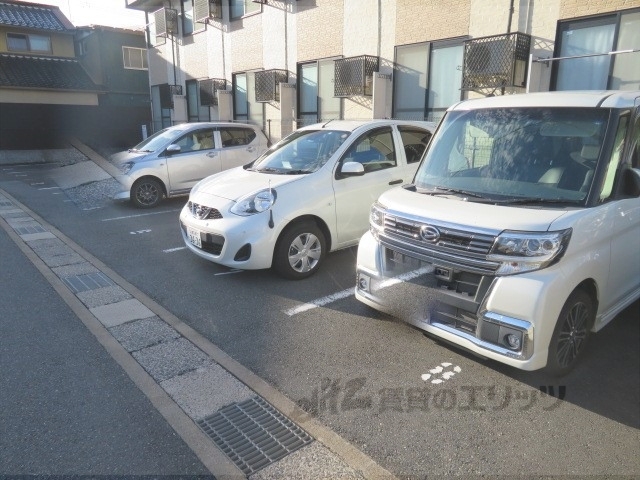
266, 169
537, 201
446, 190
296, 172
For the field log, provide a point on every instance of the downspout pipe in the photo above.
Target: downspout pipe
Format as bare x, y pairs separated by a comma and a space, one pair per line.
511, 8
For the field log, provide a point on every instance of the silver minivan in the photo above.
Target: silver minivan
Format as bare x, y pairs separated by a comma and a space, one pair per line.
171, 161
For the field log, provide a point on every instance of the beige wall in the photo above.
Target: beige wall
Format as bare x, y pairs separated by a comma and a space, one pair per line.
422, 20
246, 43
575, 8
61, 44
320, 26
194, 54
52, 98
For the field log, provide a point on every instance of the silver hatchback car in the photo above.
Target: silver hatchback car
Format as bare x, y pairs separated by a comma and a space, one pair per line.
171, 161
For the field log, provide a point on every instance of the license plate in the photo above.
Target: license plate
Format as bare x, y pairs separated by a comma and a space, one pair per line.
194, 237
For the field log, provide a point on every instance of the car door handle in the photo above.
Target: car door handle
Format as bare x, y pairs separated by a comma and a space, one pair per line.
251, 149
395, 182
212, 154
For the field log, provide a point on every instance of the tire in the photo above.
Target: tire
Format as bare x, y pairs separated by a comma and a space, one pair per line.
571, 333
300, 251
146, 193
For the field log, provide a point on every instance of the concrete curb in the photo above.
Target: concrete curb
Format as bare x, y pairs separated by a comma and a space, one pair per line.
185, 357
94, 156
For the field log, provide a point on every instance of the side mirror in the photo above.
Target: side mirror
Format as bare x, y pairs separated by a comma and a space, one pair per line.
352, 169
631, 182
173, 148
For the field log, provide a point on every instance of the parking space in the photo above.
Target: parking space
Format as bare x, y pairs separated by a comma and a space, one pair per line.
412, 404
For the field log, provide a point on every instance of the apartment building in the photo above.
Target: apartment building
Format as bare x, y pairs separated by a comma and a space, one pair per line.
285, 63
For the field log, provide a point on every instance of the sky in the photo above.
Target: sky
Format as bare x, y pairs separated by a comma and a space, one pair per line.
112, 13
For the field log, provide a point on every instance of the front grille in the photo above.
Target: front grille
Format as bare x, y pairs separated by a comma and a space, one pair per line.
202, 212
455, 317
212, 243
462, 273
454, 247
450, 238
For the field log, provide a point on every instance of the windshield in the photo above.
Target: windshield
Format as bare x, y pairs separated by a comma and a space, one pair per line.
159, 139
304, 151
515, 155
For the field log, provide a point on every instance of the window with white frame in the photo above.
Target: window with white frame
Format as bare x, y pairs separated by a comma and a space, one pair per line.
21, 42
240, 8
427, 79
590, 41
134, 58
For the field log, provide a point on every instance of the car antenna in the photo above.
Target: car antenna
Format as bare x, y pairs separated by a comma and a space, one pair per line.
328, 121
271, 224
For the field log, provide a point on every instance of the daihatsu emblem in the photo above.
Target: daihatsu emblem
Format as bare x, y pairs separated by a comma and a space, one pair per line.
429, 233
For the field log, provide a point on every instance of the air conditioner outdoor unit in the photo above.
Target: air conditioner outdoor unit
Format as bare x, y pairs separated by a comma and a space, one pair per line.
203, 10
354, 75
496, 61
267, 82
166, 20
488, 58
208, 89
368, 85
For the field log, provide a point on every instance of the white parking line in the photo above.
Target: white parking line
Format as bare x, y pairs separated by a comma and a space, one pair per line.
169, 250
350, 291
230, 272
48, 188
406, 276
139, 215
320, 302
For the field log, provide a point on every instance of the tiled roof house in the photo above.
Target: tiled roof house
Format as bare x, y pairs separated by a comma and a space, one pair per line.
37, 57
59, 81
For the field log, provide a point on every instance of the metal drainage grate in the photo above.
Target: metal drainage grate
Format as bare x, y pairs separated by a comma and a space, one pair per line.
28, 230
5, 203
253, 434
89, 281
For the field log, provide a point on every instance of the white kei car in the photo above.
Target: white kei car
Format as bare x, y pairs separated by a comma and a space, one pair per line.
308, 195
172, 160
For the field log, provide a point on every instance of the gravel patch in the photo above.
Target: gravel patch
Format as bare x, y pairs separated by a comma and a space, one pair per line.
95, 194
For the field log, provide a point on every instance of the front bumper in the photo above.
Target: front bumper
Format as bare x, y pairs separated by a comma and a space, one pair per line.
472, 312
234, 241
126, 182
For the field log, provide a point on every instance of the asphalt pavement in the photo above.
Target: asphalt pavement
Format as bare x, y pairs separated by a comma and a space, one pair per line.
98, 379
486, 420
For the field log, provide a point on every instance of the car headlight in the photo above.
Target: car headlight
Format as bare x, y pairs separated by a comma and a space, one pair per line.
126, 167
520, 252
255, 203
376, 216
